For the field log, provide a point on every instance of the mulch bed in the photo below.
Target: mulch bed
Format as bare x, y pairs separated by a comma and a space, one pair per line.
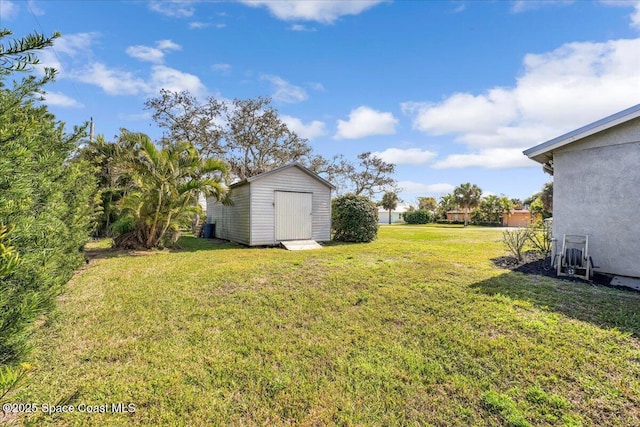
533, 264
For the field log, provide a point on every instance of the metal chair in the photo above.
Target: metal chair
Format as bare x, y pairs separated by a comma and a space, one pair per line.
574, 258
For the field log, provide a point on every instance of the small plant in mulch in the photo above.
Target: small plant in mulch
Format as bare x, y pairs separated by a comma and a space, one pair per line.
534, 263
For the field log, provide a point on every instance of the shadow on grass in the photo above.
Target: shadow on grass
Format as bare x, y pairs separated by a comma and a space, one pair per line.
602, 306
195, 244
103, 249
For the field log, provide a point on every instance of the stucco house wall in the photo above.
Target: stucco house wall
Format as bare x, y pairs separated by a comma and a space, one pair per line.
396, 214
596, 184
517, 218
596, 188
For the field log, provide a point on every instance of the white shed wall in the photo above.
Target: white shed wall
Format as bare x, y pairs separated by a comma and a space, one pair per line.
232, 222
263, 204
597, 193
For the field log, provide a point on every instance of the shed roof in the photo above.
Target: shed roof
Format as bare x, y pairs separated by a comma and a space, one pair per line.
543, 153
279, 169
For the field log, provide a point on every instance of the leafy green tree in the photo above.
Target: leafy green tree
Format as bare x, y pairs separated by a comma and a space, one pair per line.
165, 186
547, 196
112, 178
389, 202
46, 195
541, 203
468, 197
447, 202
248, 134
517, 203
251, 137
491, 208
20, 54
427, 204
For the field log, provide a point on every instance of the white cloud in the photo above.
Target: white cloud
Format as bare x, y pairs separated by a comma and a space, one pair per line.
316, 86
324, 11
173, 8
121, 82
557, 92
634, 18
221, 26
145, 53
519, 6
310, 130
163, 77
73, 47
75, 50
300, 27
8, 9
365, 121
196, 25
425, 189
152, 54
34, 8
61, 100
409, 156
223, 68
491, 158
285, 91
168, 45
112, 81
475, 113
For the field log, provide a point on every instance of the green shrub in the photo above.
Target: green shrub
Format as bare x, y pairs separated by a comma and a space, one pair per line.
354, 219
417, 217
46, 201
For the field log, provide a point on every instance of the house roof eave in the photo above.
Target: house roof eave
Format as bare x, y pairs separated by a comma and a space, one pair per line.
543, 153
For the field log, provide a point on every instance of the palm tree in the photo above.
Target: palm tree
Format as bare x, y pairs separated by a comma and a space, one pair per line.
166, 183
389, 202
467, 196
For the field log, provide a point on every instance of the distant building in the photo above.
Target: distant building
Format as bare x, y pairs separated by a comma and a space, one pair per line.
517, 218
396, 214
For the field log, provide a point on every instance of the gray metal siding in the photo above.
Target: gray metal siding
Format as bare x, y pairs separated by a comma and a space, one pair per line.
232, 222
596, 193
263, 204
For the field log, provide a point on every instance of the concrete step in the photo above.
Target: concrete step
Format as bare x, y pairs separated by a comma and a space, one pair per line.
627, 282
300, 245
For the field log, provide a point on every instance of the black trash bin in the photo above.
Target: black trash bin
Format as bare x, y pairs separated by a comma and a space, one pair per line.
209, 231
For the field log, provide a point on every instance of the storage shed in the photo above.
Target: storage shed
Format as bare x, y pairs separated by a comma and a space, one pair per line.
596, 188
287, 203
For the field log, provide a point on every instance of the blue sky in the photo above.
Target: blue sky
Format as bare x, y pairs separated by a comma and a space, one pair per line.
449, 91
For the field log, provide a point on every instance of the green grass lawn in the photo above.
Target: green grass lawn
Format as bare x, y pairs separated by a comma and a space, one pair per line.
416, 328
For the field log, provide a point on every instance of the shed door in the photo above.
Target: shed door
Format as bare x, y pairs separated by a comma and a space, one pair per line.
293, 216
